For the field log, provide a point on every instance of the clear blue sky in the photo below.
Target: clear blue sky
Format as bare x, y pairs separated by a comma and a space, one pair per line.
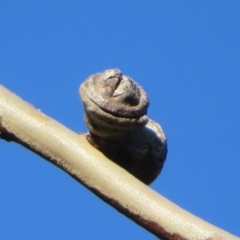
186, 54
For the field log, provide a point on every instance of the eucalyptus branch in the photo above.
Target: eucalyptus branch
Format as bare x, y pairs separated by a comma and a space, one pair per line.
28, 126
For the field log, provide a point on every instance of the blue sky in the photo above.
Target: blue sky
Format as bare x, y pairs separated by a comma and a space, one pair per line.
186, 55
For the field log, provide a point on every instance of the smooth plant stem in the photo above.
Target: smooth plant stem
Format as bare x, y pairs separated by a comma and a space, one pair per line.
24, 124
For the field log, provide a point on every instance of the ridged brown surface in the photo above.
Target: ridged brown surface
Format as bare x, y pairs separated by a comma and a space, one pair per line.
115, 113
114, 104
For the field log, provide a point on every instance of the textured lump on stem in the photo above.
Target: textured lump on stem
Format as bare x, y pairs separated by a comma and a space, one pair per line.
116, 115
